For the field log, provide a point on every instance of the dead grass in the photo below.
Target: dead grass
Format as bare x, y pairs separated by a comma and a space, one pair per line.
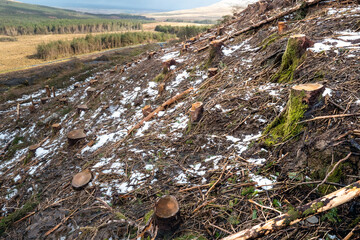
16, 55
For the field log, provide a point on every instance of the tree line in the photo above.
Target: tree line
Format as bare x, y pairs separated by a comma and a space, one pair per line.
182, 32
91, 43
67, 26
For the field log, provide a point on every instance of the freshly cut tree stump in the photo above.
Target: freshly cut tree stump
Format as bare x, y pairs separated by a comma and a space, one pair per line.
311, 91
193, 39
56, 127
220, 31
212, 72
167, 64
63, 101
81, 179
293, 56
282, 27
48, 92
212, 38
82, 107
161, 88
90, 91
167, 214
93, 82
196, 111
151, 55
75, 136
34, 147
44, 100
147, 110
215, 49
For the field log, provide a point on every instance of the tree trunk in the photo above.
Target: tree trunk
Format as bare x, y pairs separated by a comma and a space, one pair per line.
196, 111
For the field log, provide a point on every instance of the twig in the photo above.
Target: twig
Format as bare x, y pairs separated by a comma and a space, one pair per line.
262, 206
327, 176
212, 187
203, 205
330, 116
348, 237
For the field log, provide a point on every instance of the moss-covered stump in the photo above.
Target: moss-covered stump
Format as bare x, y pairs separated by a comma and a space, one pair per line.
293, 56
286, 124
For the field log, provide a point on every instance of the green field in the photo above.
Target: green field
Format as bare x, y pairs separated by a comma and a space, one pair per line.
26, 19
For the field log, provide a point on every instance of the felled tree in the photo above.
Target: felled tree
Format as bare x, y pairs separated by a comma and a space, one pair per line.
293, 56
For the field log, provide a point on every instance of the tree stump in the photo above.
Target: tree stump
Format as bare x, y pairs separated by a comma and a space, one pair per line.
44, 100
33, 148
310, 92
212, 72
161, 88
63, 101
81, 179
77, 85
286, 125
32, 108
82, 107
167, 214
75, 136
48, 92
93, 82
56, 127
167, 64
212, 38
293, 56
215, 49
196, 111
151, 55
220, 31
147, 110
282, 27
90, 91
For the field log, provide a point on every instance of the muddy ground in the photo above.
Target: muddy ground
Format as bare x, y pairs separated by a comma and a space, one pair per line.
224, 174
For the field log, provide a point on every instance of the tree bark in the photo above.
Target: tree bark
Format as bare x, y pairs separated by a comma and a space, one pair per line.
319, 205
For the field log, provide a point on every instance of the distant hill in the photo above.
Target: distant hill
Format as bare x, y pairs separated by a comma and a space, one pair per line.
212, 12
21, 18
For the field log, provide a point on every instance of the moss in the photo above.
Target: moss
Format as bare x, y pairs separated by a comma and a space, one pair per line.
159, 77
7, 221
313, 209
247, 191
120, 216
336, 177
269, 40
290, 61
148, 215
293, 215
286, 125
331, 216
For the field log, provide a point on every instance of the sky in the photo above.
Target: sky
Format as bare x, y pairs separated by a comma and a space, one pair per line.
132, 5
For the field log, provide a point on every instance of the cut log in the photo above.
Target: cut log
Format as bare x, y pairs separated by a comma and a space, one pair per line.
44, 100
81, 179
212, 38
319, 205
48, 92
282, 27
295, 49
310, 92
167, 214
53, 91
147, 110
93, 82
82, 108
212, 72
75, 136
90, 91
196, 111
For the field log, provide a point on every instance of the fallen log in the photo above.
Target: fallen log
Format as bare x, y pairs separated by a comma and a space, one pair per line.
294, 216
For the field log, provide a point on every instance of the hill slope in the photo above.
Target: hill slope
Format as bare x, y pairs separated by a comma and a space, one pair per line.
225, 174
